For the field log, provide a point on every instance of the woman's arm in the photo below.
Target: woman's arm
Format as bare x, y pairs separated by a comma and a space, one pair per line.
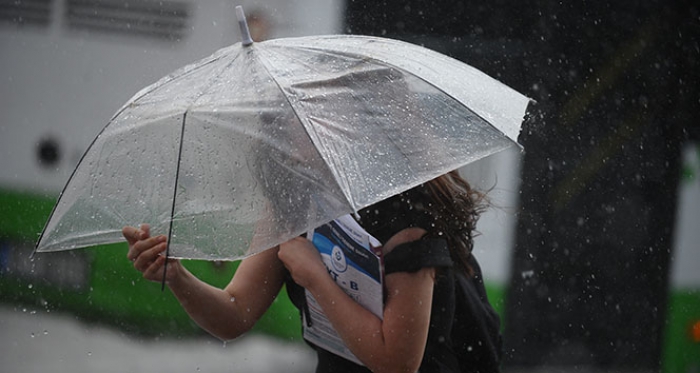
225, 313
394, 344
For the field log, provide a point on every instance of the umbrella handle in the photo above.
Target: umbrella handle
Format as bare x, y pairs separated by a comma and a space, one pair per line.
243, 24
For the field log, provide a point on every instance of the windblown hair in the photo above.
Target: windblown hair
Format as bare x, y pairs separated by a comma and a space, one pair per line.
446, 207
455, 208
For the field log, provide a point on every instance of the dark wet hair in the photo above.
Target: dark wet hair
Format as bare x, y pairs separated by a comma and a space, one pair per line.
446, 207
456, 208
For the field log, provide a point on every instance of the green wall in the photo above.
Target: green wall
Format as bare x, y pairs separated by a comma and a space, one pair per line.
116, 294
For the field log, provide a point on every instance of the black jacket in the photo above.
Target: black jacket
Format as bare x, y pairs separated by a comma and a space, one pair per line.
464, 333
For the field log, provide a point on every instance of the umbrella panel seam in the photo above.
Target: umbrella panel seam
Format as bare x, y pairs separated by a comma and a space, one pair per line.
346, 194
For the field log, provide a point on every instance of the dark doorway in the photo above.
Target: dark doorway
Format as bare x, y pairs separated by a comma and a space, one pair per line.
616, 85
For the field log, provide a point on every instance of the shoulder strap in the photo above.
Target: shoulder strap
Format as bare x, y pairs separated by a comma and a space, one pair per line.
476, 325
414, 255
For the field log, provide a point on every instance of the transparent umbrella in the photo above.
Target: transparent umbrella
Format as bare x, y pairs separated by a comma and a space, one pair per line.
260, 142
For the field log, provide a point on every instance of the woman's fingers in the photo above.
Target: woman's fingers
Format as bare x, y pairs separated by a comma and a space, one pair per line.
154, 270
302, 260
142, 258
145, 231
146, 252
133, 234
141, 246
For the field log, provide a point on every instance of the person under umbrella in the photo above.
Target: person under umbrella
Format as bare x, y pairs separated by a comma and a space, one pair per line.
259, 143
436, 314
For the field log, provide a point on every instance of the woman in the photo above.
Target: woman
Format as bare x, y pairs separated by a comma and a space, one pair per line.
436, 315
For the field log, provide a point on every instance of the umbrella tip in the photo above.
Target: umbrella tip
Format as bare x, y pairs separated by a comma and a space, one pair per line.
243, 24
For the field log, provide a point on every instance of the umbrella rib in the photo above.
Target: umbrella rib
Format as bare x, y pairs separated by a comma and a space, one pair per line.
177, 170
382, 61
172, 209
140, 94
457, 101
173, 76
65, 187
347, 195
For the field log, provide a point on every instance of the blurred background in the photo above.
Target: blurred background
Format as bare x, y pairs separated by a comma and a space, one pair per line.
591, 250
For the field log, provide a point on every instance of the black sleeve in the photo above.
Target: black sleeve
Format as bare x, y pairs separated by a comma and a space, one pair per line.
414, 255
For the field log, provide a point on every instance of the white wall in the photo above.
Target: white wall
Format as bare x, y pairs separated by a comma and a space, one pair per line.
498, 174
685, 266
67, 85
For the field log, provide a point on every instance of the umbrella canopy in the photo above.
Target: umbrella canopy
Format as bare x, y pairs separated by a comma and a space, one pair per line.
260, 142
